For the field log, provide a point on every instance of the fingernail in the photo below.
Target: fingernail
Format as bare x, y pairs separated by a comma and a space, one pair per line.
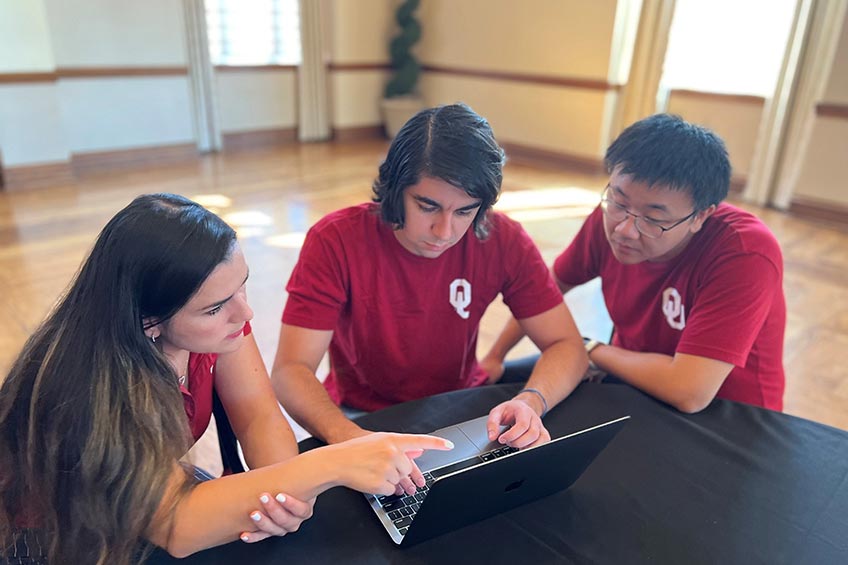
245, 538
255, 516
448, 444
280, 498
264, 498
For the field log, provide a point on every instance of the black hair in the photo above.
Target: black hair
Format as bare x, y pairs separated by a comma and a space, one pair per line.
663, 150
451, 143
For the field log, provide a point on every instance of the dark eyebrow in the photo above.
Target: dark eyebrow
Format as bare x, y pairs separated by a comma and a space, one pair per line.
425, 200
619, 192
227, 299
471, 206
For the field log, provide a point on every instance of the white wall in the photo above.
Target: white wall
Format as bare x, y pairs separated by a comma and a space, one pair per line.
49, 121
31, 128
256, 100
24, 37
117, 33
101, 114
46, 122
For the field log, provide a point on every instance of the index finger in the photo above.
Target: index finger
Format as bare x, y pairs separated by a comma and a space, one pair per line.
412, 442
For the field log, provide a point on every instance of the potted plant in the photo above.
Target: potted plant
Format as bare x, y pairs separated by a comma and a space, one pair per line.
401, 101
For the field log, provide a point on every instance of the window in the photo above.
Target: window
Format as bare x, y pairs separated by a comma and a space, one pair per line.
727, 46
254, 32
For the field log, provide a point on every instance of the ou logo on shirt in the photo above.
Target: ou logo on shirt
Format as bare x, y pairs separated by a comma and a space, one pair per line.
460, 297
673, 308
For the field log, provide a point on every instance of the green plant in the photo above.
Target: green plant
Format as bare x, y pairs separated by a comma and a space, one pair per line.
405, 65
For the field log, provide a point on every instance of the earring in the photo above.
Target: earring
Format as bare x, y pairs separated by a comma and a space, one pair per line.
153, 338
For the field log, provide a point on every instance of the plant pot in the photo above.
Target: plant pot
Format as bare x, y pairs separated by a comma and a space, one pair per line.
398, 110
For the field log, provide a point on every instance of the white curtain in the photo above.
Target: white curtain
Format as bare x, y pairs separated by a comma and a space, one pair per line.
312, 78
788, 120
640, 94
201, 78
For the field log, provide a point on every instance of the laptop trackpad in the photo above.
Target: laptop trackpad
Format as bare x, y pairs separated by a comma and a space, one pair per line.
470, 438
463, 449
477, 431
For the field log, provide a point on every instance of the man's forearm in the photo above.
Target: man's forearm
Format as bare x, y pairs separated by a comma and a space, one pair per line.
511, 334
688, 383
559, 370
306, 400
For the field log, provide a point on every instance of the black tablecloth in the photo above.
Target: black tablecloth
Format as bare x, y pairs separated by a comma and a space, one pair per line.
732, 484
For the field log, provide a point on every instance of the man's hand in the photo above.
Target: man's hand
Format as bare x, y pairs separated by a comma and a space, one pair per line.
280, 515
525, 425
494, 368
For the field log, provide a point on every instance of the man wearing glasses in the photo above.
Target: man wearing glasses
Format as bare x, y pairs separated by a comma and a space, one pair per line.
693, 285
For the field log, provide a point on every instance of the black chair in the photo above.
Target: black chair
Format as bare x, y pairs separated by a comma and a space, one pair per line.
226, 438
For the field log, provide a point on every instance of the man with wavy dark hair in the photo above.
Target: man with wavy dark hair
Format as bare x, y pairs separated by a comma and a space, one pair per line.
693, 285
395, 289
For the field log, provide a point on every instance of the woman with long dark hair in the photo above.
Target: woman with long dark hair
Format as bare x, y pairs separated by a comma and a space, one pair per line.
106, 395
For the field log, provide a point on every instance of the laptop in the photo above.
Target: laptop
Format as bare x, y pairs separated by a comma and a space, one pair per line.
478, 478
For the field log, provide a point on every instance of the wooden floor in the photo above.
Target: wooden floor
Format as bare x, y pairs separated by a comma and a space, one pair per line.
273, 196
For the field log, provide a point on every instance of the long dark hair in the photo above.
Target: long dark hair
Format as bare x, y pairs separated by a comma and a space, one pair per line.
91, 417
451, 143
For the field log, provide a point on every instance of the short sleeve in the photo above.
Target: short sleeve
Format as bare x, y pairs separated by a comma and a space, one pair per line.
318, 286
581, 260
732, 305
529, 289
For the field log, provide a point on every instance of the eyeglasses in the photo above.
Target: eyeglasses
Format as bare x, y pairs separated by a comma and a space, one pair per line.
647, 227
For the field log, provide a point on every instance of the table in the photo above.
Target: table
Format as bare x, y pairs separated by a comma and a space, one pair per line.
732, 484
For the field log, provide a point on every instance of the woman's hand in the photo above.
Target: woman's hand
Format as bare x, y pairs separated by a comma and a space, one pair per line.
280, 515
376, 463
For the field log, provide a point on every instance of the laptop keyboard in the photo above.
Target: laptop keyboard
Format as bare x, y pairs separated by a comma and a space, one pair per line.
401, 509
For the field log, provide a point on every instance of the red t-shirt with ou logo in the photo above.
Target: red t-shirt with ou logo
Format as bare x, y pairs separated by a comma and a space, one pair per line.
405, 326
720, 298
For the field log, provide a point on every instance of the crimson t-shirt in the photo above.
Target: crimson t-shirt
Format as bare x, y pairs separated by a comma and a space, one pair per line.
197, 397
720, 298
406, 326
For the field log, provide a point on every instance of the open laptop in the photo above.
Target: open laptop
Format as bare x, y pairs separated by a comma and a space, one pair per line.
478, 478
